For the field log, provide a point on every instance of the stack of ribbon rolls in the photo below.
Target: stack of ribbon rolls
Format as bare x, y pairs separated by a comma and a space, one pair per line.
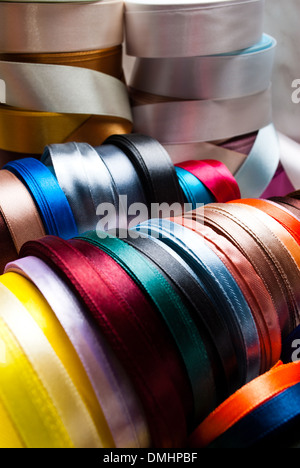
75, 188
61, 74
201, 83
136, 341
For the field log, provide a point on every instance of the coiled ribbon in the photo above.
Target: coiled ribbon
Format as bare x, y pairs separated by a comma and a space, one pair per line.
180, 29
50, 200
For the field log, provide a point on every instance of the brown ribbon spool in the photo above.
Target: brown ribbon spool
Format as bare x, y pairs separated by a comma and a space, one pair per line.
20, 216
254, 245
35, 130
277, 250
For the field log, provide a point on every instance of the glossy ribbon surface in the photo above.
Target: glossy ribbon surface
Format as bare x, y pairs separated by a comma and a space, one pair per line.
193, 28
51, 202
174, 122
225, 76
60, 26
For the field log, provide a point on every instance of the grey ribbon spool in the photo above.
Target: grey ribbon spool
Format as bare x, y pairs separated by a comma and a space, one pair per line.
84, 178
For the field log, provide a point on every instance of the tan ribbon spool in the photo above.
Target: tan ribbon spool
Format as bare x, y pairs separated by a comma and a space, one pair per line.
281, 258
253, 249
19, 210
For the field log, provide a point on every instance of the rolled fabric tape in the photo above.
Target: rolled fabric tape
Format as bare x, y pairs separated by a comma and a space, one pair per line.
224, 76
60, 26
19, 210
184, 29
180, 122
116, 396
52, 128
84, 178
64, 89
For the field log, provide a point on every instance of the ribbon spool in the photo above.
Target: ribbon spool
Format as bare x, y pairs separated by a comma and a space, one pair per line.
169, 429
268, 252
217, 330
135, 167
59, 394
238, 93
184, 29
255, 416
74, 184
114, 392
65, 112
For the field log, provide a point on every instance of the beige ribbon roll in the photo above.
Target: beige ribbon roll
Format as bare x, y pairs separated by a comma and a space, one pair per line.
19, 210
40, 27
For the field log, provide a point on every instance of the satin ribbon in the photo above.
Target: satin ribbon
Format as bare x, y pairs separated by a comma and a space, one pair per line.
126, 181
9, 437
174, 122
84, 179
93, 179
118, 401
285, 237
7, 246
180, 29
289, 248
279, 213
194, 190
107, 61
174, 313
214, 275
243, 402
102, 299
202, 309
255, 174
60, 26
253, 289
252, 159
19, 210
40, 311
101, 95
216, 177
145, 315
255, 252
51, 128
201, 151
26, 402
272, 424
280, 259
50, 200
154, 167
226, 76
54, 377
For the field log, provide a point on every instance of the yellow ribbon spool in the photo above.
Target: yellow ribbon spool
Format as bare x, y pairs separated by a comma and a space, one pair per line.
35, 304
27, 402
